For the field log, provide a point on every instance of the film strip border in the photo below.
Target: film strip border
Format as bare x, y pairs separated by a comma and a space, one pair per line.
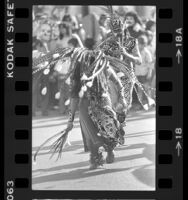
18, 87
17, 111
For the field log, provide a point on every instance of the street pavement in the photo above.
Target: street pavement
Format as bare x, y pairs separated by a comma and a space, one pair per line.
133, 169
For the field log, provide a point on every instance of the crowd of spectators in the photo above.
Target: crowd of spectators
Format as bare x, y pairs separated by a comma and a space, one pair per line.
50, 90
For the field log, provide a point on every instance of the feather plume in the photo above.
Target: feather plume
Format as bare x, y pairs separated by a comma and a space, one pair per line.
45, 142
58, 145
107, 9
110, 8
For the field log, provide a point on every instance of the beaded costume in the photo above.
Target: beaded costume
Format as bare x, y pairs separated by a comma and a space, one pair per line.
112, 48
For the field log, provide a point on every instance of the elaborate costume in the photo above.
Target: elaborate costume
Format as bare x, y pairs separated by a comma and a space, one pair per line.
91, 71
99, 122
120, 45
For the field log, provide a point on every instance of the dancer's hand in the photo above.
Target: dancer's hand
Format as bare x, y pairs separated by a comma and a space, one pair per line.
121, 117
70, 126
121, 107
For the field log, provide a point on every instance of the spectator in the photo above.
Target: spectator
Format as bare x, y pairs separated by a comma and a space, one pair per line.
65, 34
64, 85
151, 26
151, 32
55, 41
89, 43
102, 26
44, 35
144, 71
41, 87
73, 42
47, 38
134, 24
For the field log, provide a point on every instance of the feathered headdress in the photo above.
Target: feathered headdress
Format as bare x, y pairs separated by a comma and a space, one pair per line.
115, 22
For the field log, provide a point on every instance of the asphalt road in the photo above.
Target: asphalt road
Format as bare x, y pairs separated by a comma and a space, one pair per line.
133, 169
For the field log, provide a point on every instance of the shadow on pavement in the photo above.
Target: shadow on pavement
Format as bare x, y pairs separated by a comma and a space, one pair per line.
74, 146
76, 124
75, 174
145, 173
146, 176
53, 117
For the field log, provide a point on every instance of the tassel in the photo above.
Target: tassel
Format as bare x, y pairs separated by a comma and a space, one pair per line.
99, 134
59, 66
146, 107
68, 81
84, 88
108, 64
67, 102
55, 55
44, 91
46, 71
57, 95
151, 101
101, 62
120, 74
89, 84
81, 93
84, 77
46, 63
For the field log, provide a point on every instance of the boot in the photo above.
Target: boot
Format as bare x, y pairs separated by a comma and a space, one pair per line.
96, 160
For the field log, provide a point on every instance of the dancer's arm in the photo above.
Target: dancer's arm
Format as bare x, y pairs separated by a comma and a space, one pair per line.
136, 53
74, 98
135, 56
73, 106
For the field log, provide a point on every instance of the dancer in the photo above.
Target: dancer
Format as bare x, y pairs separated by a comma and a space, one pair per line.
99, 122
121, 46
